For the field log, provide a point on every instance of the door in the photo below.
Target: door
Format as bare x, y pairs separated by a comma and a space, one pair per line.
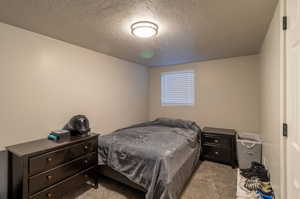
293, 99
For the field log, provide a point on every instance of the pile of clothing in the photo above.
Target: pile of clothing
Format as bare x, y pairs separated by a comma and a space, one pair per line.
255, 181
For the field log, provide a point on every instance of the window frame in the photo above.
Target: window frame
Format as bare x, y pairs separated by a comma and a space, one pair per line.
177, 104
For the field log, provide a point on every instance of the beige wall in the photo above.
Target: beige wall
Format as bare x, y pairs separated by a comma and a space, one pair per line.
43, 82
227, 93
270, 99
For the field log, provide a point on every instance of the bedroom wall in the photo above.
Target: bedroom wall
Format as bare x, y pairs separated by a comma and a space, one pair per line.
270, 100
43, 82
227, 94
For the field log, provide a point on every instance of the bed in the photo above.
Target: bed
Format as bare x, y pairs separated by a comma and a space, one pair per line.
157, 157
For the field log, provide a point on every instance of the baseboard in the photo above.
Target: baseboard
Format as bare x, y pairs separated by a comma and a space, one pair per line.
4, 176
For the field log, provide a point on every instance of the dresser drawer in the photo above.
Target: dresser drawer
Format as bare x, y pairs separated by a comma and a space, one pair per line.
48, 178
220, 141
217, 154
61, 189
50, 160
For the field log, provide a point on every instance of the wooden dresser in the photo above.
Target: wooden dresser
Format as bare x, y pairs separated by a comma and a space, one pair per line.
219, 145
44, 169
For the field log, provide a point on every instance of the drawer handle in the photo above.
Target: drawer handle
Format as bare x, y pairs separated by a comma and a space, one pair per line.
86, 161
216, 141
49, 159
49, 195
86, 147
217, 153
49, 177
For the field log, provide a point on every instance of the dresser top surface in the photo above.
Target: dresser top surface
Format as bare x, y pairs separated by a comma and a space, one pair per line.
221, 131
29, 148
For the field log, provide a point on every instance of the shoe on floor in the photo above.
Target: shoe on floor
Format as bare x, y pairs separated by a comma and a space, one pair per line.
252, 184
262, 195
266, 188
257, 170
253, 166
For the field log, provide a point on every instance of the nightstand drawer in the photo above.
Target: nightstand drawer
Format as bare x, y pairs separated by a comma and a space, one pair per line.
217, 140
217, 154
52, 159
46, 179
66, 186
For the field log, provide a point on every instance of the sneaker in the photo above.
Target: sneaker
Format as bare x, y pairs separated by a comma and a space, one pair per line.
252, 184
259, 172
266, 188
253, 166
246, 172
263, 195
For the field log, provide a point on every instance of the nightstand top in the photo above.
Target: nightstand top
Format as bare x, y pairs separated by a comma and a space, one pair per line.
219, 131
40, 145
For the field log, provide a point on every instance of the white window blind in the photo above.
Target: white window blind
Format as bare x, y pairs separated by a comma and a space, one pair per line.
177, 88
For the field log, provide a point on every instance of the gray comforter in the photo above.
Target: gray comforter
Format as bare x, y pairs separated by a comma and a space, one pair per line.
160, 155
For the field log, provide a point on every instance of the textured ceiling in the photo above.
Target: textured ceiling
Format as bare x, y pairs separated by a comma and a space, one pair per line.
189, 30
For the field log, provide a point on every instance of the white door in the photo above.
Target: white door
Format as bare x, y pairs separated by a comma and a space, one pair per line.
293, 99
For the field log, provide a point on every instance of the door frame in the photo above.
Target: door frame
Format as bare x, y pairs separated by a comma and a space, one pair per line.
283, 99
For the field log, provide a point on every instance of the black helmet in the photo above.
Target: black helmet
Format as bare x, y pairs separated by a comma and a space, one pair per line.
79, 124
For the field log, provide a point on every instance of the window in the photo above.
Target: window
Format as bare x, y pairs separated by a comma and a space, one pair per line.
177, 88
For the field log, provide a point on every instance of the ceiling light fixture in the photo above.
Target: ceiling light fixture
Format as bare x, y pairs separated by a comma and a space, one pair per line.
144, 29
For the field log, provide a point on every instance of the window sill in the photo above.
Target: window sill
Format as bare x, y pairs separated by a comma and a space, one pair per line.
180, 105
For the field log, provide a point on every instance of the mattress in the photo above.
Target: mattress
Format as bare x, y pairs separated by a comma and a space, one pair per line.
159, 156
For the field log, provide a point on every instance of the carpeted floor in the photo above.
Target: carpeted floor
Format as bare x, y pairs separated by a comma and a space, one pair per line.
210, 181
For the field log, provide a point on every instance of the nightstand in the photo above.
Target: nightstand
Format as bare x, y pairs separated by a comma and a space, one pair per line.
219, 145
51, 169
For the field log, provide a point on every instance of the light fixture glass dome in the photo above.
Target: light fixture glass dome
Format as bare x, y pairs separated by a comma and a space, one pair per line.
144, 29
